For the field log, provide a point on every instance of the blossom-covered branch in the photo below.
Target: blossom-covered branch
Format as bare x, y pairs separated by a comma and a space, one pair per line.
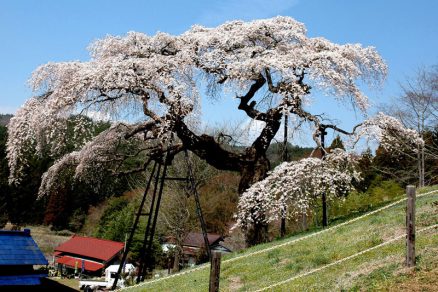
294, 186
389, 132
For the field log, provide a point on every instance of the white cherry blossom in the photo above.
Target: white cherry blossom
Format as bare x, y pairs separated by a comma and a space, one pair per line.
294, 186
156, 81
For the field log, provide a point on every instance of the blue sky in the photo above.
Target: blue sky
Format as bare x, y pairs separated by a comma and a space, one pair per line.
35, 32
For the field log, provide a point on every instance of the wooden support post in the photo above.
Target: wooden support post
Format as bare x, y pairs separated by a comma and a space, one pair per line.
410, 227
324, 210
304, 221
285, 158
215, 270
323, 132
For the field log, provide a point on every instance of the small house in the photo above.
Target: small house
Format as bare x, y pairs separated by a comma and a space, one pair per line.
193, 246
87, 254
18, 255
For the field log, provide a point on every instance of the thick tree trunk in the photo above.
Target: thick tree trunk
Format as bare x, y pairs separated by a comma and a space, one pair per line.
257, 234
176, 262
252, 165
253, 172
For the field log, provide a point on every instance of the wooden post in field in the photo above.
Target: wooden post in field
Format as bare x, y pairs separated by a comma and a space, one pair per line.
215, 270
410, 227
304, 221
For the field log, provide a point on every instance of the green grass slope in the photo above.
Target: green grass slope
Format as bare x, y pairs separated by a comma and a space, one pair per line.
379, 269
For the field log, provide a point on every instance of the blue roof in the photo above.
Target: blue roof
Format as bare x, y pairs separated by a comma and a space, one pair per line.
21, 280
19, 248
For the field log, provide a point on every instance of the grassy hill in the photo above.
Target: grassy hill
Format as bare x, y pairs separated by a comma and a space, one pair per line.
379, 269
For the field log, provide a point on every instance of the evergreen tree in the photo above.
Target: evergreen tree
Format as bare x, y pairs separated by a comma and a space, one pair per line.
368, 173
337, 143
4, 173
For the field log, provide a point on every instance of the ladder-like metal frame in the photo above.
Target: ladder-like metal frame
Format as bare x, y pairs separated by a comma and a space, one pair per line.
146, 261
195, 193
134, 226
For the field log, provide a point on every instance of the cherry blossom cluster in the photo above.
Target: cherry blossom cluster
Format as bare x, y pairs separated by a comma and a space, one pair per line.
154, 82
95, 160
389, 132
292, 187
160, 72
21, 139
35, 130
239, 51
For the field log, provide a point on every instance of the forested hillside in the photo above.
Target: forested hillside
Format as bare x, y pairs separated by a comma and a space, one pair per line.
4, 119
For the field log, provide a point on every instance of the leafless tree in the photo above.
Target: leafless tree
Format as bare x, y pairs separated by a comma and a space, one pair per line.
417, 108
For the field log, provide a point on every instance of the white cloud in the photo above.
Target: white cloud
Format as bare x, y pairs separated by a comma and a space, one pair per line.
227, 10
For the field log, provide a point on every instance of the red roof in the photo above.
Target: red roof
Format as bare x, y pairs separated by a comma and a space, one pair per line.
91, 247
77, 263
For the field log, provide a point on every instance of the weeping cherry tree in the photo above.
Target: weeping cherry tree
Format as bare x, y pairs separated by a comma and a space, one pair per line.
150, 87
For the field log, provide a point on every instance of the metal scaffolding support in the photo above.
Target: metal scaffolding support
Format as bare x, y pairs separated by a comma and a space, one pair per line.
195, 193
134, 227
158, 174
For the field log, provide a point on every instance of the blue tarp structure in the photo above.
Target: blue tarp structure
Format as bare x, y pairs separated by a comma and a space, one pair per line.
21, 280
18, 254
